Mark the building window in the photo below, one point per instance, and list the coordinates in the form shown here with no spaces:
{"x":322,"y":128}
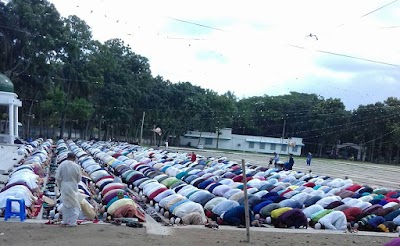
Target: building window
{"x":251,"y":145}
{"x":262,"y":145}
{"x":273,"y":146}
{"x":283,"y":148}
{"x":208,"y":141}
{"x":294,"y":149}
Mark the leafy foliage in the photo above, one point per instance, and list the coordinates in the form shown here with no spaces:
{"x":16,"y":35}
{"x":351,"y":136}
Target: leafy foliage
{"x":70,"y":80}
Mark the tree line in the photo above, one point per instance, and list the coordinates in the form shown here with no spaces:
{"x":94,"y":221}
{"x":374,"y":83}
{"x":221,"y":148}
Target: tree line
{"x":68,"y":80}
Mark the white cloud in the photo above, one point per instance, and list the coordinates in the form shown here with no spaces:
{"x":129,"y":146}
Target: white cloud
{"x":255,"y":56}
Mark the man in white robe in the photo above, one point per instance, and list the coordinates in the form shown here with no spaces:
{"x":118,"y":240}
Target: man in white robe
{"x":335,"y":220}
{"x":68,"y":176}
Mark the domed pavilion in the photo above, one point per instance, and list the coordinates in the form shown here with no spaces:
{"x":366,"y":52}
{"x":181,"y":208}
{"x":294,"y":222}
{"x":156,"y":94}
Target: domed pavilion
{"x":9,"y":127}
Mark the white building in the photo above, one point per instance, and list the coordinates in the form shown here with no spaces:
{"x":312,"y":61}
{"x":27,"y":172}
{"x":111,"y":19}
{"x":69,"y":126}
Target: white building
{"x":9,"y":127}
{"x":227,"y":140}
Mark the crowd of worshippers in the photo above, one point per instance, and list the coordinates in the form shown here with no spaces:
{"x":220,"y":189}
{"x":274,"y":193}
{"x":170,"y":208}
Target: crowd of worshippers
{"x":97,"y":191}
{"x":26,"y":180}
{"x":210,"y":190}
{"x":187,"y":190}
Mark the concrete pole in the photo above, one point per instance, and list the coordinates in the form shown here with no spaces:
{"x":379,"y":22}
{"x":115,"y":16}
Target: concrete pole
{"x":11,"y":122}
{"x":141,"y":129}
{"x":154,"y":135}
{"x":246,"y":202}
{"x":100,"y":129}
{"x":16,"y":121}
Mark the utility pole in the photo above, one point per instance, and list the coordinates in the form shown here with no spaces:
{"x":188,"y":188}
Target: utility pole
{"x":154,"y":135}
{"x":217,"y":134}
{"x":284,"y":127}
{"x":141,"y":129}
{"x":101,"y":117}
{"x":246,"y":202}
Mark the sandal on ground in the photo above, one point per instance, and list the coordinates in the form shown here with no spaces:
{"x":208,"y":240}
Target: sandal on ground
{"x":134,"y":224}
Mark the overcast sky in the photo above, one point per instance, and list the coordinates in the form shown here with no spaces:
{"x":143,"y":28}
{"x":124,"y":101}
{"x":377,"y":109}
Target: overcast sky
{"x":261,"y":47}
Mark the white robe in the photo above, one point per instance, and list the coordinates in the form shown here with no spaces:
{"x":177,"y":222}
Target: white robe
{"x":327,"y":200}
{"x":224,"y":206}
{"x":335,"y":220}
{"x":17,"y":191}
{"x":301,"y":197}
{"x":309,"y":211}
{"x":210,"y":205}
{"x":68,"y":176}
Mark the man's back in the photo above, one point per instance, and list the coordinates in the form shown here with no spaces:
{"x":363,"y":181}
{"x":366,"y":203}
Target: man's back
{"x":69,"y":171}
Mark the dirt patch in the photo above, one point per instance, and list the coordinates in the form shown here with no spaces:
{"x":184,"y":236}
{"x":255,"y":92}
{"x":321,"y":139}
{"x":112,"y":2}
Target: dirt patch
{"x":24,"y":234}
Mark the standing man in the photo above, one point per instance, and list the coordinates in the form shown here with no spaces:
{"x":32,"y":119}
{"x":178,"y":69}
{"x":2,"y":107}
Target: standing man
{"x":309,"y":157}
{"x":68,"y":176}
{"x":166,"y":144}
{"x":193,"y":158}
{"x":275,"y":159}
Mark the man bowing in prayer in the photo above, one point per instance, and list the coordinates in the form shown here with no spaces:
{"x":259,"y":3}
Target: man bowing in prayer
{"x":68,"y":176}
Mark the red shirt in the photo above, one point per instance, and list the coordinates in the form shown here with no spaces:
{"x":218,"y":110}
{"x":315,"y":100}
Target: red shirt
{"x":193,"y":158}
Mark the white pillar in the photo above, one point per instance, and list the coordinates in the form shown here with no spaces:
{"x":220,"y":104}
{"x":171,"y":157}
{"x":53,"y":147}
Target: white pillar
{"x":11,"y":123}
{"x":16,"y":121}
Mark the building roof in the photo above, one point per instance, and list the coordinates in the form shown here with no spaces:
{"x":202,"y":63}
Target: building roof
{"x":207,"y":136}
{"x":5,"y":84}
{"x":270,"y":141}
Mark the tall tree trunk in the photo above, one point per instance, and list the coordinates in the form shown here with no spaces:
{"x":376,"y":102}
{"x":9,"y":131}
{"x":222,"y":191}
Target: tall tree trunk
{"x":398,"y":155}
{"x":63,"y":118}
{"x":70,"y":130}
{"x":30,"y":116}
{"x":47,"y":130}
{"x":88,"y":123}
{"x":389,"y":153}
{"x":86,"y":133}
{"x":105,"y":137}
{"x":380,"y":149}
{"x":40,"y":122}
{"x":64,"y":110}
{"x":372,"y":150}
{"x":137,"y":132}
{"x":126,"y":132}
{"x":320,"y":147}
{"x":91,"y":133}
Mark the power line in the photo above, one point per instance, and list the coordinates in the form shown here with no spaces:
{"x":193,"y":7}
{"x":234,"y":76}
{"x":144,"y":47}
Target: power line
{"x":14,"y":29}
{"x":320,"y":51}
{"x":372,"y":11}
{"x":202,"y":39}
{"x":381,"y":136}
{"x":375,"y":10}
{"x":347,"y":129}
{"x":346,"y":56}
{"x":196,"y":24}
